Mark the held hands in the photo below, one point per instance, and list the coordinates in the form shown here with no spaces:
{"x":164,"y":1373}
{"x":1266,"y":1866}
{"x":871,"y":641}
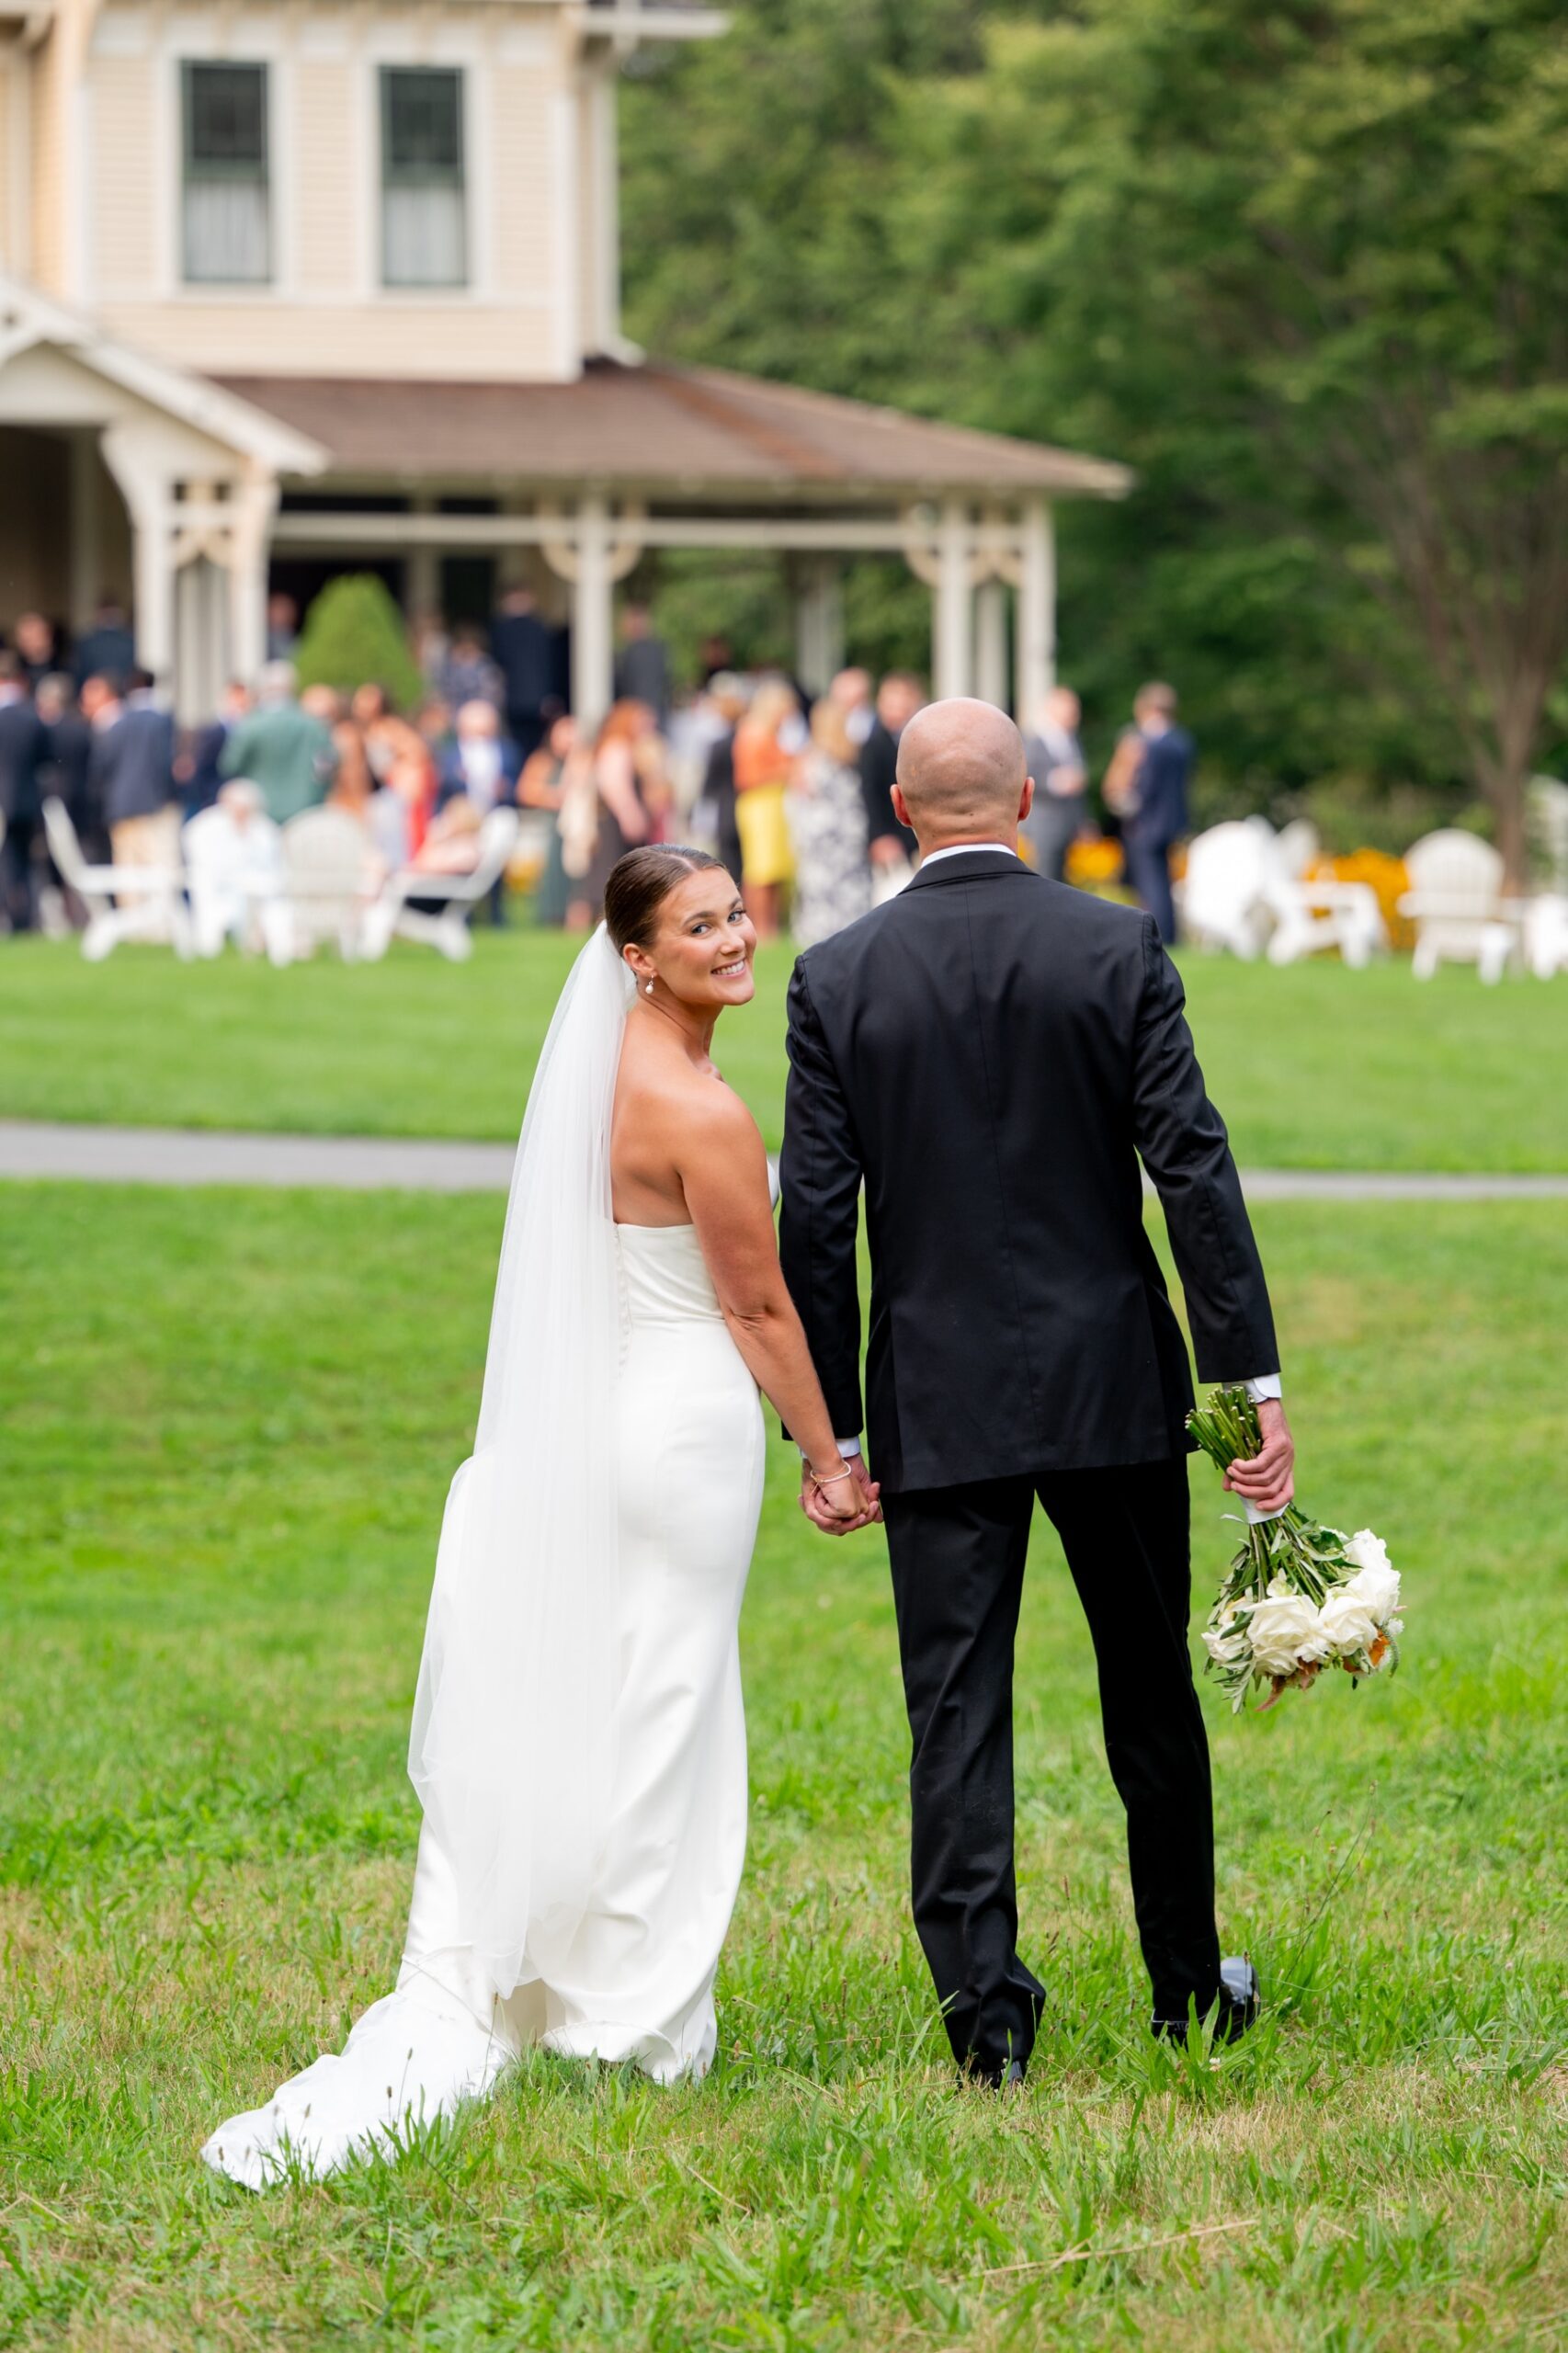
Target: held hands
{"x":1267,"y":1481}
{"x":844,"y":1501}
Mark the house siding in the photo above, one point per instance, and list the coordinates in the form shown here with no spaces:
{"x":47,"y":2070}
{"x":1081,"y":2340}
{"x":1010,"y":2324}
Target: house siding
{"x":123,"y":227}
{"x":48,"y":164}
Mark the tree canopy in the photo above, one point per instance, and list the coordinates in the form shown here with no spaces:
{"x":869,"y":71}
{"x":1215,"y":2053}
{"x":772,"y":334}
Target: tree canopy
{"x":1300,"y":265}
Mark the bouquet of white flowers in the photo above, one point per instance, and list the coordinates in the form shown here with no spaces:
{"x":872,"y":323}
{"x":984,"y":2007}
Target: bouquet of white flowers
{"x":1299,"y":1596}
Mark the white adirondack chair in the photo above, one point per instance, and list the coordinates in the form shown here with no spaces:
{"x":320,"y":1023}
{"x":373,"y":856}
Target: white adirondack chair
{"x":1546,"y":934}
{"x":1221,"y":894}
{"x":1548,"y":804}
{"x":325,"y":892}
{"x":448,"y":931}
{"x":1456,"y":903}
{"x":151,"y":902}
{"x":1309,"y":916}
{"x":230,"y":868}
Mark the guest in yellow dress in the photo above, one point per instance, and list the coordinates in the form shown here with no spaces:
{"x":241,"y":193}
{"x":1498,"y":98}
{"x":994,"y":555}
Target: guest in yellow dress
{"x":765,"y":759}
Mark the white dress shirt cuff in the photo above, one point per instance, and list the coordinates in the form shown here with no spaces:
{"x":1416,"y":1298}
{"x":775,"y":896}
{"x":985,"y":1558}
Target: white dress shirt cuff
{"x":847,"y":1447}
{"x":1266,"y":1384}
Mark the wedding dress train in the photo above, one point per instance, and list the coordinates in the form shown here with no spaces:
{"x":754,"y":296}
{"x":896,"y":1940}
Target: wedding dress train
{"x":631,"y":1976}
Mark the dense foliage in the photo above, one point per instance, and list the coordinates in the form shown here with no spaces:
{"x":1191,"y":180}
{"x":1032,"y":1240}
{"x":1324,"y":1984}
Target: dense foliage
{"x":1300,"y":263}
{"x":354,"y":631}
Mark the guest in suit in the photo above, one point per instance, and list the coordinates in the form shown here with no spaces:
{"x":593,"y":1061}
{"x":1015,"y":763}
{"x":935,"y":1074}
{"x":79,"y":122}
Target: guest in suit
{"x":33,"y":642}
{"x":527,"y":654}
{"x":890,"y":845}
{"x":481,"y":769}
{"x":109,"y":648}
{"x":24,"y":747}
{"x":1060,"y":782}
{"x":199,"y":770}
{"x":282,"y":746}
{"x":986,"y":1059}
{"x":1157,"y":818}
{"x":67,"y":776}
{"x":642,"y":666}
{"x":133,"y":767}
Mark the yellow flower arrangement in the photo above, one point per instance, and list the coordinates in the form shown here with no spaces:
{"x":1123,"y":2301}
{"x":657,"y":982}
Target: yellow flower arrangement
{"x":1093,"y":864}
{"x":1389,"y":878}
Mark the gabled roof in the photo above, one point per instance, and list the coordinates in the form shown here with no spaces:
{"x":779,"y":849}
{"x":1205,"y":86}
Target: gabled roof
{"x":657,"y":428}
{"x":28,"y":318}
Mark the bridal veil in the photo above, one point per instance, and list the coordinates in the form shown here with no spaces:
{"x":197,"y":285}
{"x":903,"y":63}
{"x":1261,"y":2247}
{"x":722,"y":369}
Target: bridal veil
{"x":512,"y":1749}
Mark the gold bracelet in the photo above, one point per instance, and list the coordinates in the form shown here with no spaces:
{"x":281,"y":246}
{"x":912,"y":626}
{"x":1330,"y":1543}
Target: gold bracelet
{"x":836,"y":1480}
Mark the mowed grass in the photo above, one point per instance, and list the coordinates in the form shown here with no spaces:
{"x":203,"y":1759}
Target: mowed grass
{"x":229,"y":1421}
{"x":1314,"y":1067}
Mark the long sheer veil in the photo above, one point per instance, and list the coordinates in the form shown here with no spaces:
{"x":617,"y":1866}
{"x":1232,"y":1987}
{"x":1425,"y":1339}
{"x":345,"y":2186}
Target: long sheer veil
{"x":512,"y":1747}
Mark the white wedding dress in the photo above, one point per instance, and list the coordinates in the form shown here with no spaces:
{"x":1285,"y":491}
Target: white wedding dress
{"x":607,"y":1945}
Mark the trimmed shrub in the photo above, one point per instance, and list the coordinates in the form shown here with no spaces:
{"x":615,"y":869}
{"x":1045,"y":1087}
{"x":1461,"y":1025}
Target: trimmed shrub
{"x":353,"y":633}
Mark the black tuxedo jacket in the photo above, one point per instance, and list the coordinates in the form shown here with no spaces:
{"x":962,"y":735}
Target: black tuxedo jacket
{"x":991,"y":1054}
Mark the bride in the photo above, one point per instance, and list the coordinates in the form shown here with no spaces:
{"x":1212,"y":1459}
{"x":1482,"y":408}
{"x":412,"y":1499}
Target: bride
{"x":578,"y":1743}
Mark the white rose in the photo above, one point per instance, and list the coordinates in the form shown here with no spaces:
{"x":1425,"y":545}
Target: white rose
{"x":1375,"y":1584}
{"x":1286,"y":1633}
{"x":1347,"y":1620}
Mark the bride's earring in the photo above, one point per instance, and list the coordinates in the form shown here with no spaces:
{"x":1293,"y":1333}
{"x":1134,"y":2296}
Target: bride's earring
{"x":648,"y":989}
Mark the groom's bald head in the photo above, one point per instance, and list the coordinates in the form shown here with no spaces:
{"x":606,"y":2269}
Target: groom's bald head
{"x":961,"y":772}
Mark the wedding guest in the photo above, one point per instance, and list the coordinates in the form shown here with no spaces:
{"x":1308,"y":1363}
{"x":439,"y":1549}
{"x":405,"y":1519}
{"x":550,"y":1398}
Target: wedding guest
{"x":280,"y":747}
{"x":67,"y":777}
{"x":322,"y":702}
{"x":728,"y":697}
{"x":613,"y":816}
{"x":282,"y":627}
{"x":527,"y":654}
{"x":481,"y":769}
{"x":198,"y":770}
{"x":132,"y":764}
{"x":467,"y":675}
{"x":480,"y":762}
{"x":1156,"y":817}
{"x":543,"y":784}
{"x":353,"y":784}
{"x":1055,"y":759}
{"x":642,"y":666}
{"x":109,"y":648}
{"x":24,"y":748}
{"x":763,"y":757}
{"x":239,"y":856}
{"x":892,"y":847}
{"x":32,"y":640}
{"x":827,"y":829}
{"x":851,"y":690}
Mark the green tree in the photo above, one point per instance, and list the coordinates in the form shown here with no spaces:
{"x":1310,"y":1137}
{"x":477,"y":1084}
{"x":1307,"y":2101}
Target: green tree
{"x":354,"y":632}
{"x":1300,"y":265}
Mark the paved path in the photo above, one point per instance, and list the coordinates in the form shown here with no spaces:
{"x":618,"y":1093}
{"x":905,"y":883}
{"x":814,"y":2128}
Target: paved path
{"x":374,"y":1163}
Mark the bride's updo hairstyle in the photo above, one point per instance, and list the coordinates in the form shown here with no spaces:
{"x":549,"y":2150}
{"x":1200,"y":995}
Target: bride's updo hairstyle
{"x":640,"y":883}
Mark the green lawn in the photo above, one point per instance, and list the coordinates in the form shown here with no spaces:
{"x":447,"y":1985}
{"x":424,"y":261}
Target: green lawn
{"x":228,"y":1423}
{"x":1314,"y":1067}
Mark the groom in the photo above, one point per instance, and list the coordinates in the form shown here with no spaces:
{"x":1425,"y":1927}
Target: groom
{"x":991,"y":1055}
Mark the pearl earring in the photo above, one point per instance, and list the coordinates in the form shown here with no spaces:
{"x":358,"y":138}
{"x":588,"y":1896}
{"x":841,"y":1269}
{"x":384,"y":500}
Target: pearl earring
{"x":649,"y":990}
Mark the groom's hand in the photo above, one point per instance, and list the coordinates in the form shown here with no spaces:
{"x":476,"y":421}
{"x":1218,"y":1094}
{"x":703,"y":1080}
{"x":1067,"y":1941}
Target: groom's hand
{"x":1267,"y":1480}
{"x":840,"y":1509}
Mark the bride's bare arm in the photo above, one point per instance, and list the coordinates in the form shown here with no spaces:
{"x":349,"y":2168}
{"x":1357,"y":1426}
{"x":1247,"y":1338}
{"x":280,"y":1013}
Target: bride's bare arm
{"x":723,"y":1171}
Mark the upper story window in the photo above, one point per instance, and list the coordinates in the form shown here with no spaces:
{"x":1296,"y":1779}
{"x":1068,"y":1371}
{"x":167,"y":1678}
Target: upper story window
{"x":226,"y":199}
{"x":424,"y":225}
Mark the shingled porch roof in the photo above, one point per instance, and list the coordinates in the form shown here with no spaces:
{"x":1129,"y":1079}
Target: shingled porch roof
{"x":662,"y":429}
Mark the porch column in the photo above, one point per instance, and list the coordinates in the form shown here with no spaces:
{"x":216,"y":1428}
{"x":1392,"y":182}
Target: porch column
{"x":148,"y":492}
{"x":819,"y":622}
{"x":1035,"y":668}
{"x":593,"y":615}
{"x":424,"y":573}
{"x":953,"y":606}
{"x":255,"y":503}
{"x":991,"y":643}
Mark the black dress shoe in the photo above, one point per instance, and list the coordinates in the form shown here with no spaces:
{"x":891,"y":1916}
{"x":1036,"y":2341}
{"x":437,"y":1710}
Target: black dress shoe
{"x":1241,"y":1998}
{"x":1009,"y":2078}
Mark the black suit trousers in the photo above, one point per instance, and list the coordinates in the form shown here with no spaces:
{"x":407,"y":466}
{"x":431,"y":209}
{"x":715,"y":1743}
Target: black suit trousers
{"x":956,"y":1556}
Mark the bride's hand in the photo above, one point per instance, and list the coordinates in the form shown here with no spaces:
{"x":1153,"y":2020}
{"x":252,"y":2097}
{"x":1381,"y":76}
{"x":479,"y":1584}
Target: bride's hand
{"x":842,"y":1501}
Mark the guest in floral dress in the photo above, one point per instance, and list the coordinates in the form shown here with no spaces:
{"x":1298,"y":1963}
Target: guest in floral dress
{"x":827,"y":811}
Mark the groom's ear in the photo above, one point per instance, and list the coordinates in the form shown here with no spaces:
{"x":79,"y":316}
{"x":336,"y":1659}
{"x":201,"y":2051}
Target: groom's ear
{"x":901,"y":808}
{"x":1026,"y":799}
